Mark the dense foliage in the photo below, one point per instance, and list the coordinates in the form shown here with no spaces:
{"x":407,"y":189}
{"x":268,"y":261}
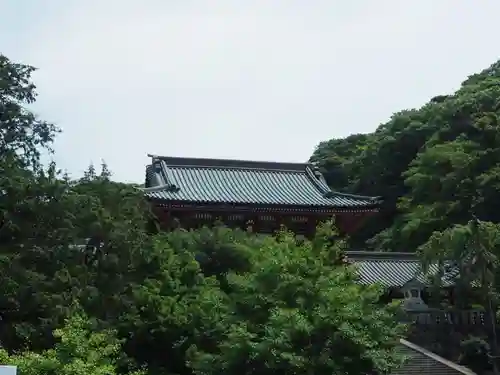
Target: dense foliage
{"x":86,"y":289}
{"x":434,"y":166}
{"x":79,"y":351}
{"x":437,"y":169}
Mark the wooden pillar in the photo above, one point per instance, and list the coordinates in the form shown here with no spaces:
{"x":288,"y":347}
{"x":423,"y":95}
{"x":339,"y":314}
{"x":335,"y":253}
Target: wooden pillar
{"x":162,"y":216}
{"x":311,"y":224}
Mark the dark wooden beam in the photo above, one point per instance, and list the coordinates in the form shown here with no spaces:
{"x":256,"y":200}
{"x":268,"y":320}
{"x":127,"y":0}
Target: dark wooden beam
{"x":262,"y":222}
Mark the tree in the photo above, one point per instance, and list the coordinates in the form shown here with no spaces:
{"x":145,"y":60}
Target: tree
{"x":79,"y":350}
{"x":296,"y":312}
{"x":432,"y":165}
{"x":68,"y":241}
{"x":171,"y":307}
{"x":23,"y":182}
{"x":29,"y":204}
{"x":471,"y":253}
{"x":22,"y":134}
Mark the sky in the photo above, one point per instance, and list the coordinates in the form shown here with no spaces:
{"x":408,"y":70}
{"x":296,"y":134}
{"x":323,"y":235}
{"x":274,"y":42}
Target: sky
{"x":253,"y":80}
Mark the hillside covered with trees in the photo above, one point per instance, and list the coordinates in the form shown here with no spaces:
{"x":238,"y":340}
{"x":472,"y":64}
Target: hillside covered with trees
{"x":89,"y":288}
{"x":435,"y":167}
{"x":86,"y":288}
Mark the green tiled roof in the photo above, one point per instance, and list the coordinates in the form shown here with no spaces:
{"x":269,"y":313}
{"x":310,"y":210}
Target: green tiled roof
{"x":245,"y":182}
{"x":391,"y":269}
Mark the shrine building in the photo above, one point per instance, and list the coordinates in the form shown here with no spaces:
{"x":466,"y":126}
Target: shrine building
{"x":192,"y":192}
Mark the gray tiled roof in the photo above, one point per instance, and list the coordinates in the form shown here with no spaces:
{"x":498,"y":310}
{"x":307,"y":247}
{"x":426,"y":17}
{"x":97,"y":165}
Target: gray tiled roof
{"x":391,"y":269}
{"x":245,"y":182}
{"x":421,"y":361}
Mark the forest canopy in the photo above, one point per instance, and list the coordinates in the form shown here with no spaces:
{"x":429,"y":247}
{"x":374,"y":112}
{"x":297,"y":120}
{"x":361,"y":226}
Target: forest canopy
{"x":435,"y":167}
{"x":88,"y":289}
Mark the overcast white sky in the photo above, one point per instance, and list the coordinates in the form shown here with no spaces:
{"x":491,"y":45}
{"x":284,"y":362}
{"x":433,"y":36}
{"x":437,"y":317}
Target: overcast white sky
{"x":253,"y":79}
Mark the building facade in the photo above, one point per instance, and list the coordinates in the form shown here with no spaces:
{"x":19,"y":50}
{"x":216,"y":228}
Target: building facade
{"x":191,"y":192}
{"x":435,"y":324}
{"x":264,"y":196}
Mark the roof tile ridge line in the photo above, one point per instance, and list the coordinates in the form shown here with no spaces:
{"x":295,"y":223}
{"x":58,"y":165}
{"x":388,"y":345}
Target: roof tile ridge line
{"x":375,"y":199}
{"x":400,"y":253}
{"x":323,"y":186}
{"x":317,"y":180}
{"x":297,"y":167}
{"x":237,"y":168}
{"x":382,"y":255}
{"x":167,"y":176}
{"x":160,"y":168}
{"x":149,"y":171}
{"x":462,"y":369}
{"x":382,"y":259}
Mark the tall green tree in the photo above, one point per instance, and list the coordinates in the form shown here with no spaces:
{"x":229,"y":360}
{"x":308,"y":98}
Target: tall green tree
{"x":470,"y":252}
{"x":79,"y":350}
{"x":28,"y":201}
{"x":60,"y":240}
{"x":22,"y":134}
{"x":432,"y":165}
{"x":296,"y":312}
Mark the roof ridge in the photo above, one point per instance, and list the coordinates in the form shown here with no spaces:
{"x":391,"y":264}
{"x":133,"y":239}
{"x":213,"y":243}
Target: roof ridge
{"x":455,"y":366}
{"x":236,"y":168}
{"x":209,"y":162}
{"x":164,"y":178}
{"x":167,"y":177}
{"x":393,"y":260}
{"x":349,"y":195}
{"x":382,"y":255}
{"x":317,"y":180}
{"x":270,"y":183}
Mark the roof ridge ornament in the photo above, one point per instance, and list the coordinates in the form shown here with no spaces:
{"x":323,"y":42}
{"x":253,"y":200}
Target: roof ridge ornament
{"x":317,"y":179}
{"x":316,"y":171}
{"x":167,"y":188}
{"x":164,"y":175}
